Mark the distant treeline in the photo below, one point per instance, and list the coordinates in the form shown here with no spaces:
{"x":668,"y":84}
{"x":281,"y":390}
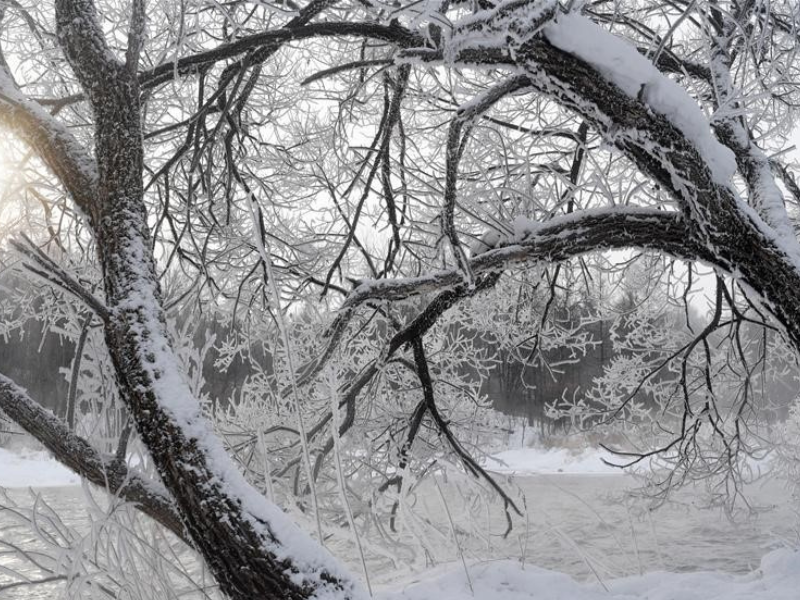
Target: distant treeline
{"x":519,"y":385}
{"x":41,"y":361}
{"x":524,"y":388}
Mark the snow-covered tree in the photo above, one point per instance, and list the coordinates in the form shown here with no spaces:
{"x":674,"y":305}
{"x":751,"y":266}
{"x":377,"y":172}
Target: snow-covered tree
{"x":380,"y":163}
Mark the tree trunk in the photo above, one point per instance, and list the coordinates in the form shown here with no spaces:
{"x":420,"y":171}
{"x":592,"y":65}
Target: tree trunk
{"x":249,"y":545}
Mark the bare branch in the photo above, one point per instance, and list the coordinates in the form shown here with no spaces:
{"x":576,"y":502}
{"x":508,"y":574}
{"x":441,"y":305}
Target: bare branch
{"x":56,"y":275}
{"x":135,"y":35}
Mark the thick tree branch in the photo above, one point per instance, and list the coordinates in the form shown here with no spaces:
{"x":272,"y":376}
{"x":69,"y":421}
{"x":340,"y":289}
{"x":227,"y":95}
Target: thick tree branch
{"x":77,"y":454}
{"x":556,"y":240}
{"x":136,"y":31}
{"x":734,"y":237}
{"x":52,"y":141}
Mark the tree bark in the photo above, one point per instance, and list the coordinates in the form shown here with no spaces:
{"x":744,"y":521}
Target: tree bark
{"x":229,"y":523}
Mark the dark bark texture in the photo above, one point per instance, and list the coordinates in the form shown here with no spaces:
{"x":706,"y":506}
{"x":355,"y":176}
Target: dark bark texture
{"x":238,"y":554}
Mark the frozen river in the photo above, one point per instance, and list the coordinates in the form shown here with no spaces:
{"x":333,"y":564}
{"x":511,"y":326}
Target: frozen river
{"x":583,"y":525}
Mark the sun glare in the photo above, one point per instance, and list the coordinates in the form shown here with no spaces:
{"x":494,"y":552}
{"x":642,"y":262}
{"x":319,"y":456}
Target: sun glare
{"x":12,"y":195}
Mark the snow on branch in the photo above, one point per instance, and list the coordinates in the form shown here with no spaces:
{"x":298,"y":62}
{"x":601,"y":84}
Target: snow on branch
{"x":509,"y":24}
{"x":732,"y":129}
{"x":77,"y":454}
{"x":559,"y":239}
{"x":620,"y":63}
{"x":64,"y":155}
{"x":657,"y":125}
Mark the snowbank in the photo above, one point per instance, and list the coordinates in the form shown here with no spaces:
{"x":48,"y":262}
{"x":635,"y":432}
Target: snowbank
{"x":533,"y":461}
{"x":778,"y":578}
{"x":38,"y":469}
{"x":33,"y":469}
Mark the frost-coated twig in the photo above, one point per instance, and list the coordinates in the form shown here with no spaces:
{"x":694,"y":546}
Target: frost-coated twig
{"x":52,"y":272}
{"x":454,"y":534}
{"x":470,"y":464}
{"x":457,"y":139}
{"x":337,"y":457}
{"x":72,"y":394}
{"x":262,"y":246}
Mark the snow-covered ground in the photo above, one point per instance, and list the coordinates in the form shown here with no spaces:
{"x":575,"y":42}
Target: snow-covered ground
{"x":27,"y":468}
{"x":534,"y":461}
{"x":778,"y":578}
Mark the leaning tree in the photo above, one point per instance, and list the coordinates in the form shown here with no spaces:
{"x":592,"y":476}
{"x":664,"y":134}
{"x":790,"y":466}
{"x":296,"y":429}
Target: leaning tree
{"x":384,"y":162}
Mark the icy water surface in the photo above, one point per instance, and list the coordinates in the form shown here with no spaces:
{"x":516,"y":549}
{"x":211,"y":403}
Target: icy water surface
{"x":578,"y":524}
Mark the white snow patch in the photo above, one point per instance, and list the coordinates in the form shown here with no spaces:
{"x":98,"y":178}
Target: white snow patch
{"x":33,"y":469}
{"x":778,"y":578}
{"x":534,"y":461}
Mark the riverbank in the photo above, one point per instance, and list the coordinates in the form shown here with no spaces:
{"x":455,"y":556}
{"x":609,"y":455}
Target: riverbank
{"x":36,"y":468}
{"x":33,"y":468}
{"x":777,"y":578}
